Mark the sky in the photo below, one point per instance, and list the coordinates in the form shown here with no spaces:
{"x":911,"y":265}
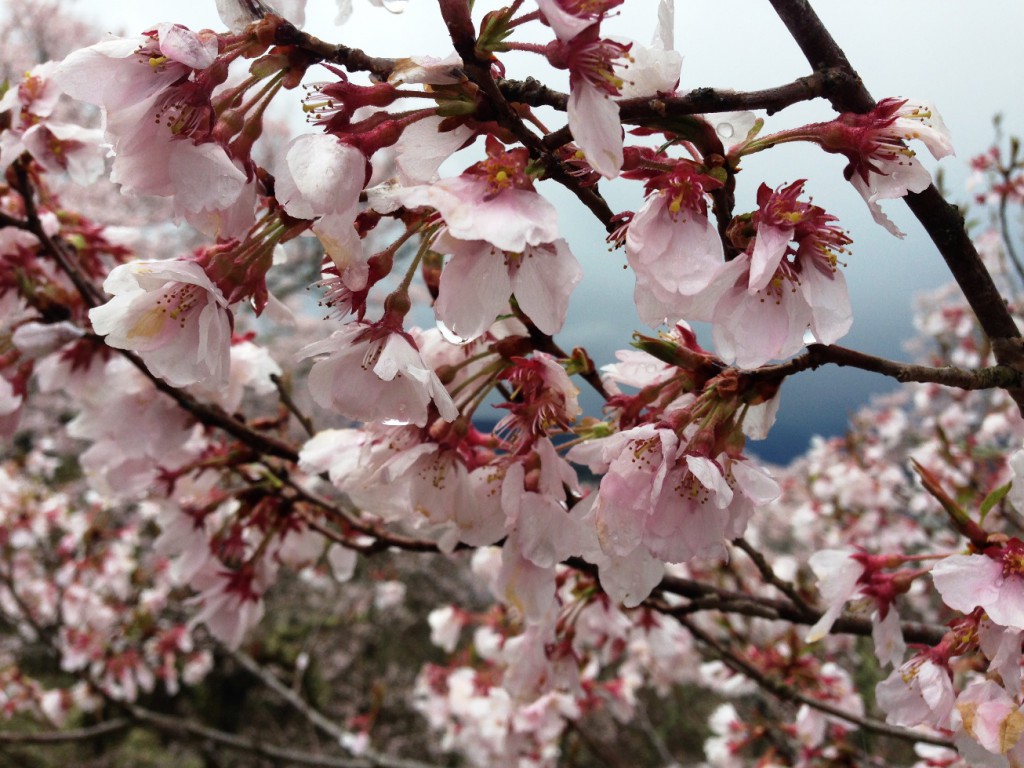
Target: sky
{"x":966,"y":62}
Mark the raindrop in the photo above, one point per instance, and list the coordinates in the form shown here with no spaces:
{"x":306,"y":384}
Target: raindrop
{"x":395,"y":6}
{"x":449,"y":335}
{"x":725,"y":130}
{"x":397,"y":422}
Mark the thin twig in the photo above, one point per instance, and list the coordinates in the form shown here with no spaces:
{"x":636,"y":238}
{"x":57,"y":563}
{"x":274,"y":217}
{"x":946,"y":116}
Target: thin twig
{"x":46,"y":738}
{"x":215,"y":416}
{"x":327,"y":726}
{"x":90,"y":293}
{"x":1004,"y":227}
{"x":289,"y":403}
{"x":182,"y":727}
{"x":769,"y":575}
{"x":784,"y":692}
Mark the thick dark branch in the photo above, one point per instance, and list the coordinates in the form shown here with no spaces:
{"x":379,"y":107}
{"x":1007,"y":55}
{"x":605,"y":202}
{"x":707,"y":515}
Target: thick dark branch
{"x":709,"y":100}
{"x":942,"y":221}
{"x":352,"y":59}
{"x":57,"y":249}
{"x":817,"y":355}
{"x":698,"y":101}
{"x":209,"y":415}
{"x":215,"y":416}
{"x":786,"y":693}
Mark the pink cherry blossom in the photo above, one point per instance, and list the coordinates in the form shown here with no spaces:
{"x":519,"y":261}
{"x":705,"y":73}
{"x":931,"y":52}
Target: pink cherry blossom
{"x":232,"y":602}
{"x":375,"y":375}
{"x":58,"y":147}
{"x":784,"y":291}
{"x":156,"y":92}
{"x":478,"y":280}
{"x":881,"y":166}
{"x":172,"y":314}
{"x":658,"y":495}
{"x":319,"y":177}
{"x":674,"y":250}
{"x":117,"y":73}
{"x":920,"y":691}
{"x":593,"y":80}
{"x":993,"y":580}
{"x":992,"y":719}
{"x":494,"y":201}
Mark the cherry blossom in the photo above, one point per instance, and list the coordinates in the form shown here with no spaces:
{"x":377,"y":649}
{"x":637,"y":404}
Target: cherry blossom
{"x":495,"y":202}
{"x":173,"y":475}
{"x":991,"y":580}
{"x":920,"y":691}
{"x":881,"y":166}
{"x":675,"y":252}
{"x":375,"y":375}
{"x":173,"y":315}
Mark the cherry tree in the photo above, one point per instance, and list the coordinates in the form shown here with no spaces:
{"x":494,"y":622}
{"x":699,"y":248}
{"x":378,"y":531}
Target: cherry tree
{"x":198,"y":450}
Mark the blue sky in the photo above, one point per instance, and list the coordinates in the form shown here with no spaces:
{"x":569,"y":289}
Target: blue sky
{"x":966,"y":62}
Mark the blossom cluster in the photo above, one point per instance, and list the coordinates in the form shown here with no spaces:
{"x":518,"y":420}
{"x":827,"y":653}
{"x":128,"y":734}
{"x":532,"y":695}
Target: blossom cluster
{"x":226,"y":442}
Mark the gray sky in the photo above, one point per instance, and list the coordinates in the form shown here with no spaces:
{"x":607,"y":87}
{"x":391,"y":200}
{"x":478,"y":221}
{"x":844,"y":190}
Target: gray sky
{"x":967,"y":62}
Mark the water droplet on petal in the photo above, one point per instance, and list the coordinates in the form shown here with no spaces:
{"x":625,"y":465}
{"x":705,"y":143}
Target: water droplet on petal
{"x":449,"y":335}
{"x":395,"y":6}
{"x":725,"y":130}
{"x":397,"y":422}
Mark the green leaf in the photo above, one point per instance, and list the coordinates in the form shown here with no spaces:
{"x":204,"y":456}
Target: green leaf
{"x":994,"y":498}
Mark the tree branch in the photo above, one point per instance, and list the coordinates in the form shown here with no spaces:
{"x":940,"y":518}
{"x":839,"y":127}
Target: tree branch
{"x":181,"y":727}
{"x":784,"y":692}
{"x":942,"y":221}
{"x":817,"y":355}
{"x":296,"y":702}
{"x":318,"y":720}
{"x":47,"y":738}
{"x":703,"y":597}
{"x":769,"y":575}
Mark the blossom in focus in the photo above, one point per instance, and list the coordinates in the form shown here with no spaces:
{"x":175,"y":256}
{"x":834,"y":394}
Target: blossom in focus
{"x":478,"y":280}
{"x":993,"y":580}
{"x":881,"y":165}
{"x":920,"y":691}
{"x":601,"y":70}
{"x":320,"y":178}
{"x":847,"y":574}
{"x":992,"y":719}
{"x":593,"y":80}
{"x":156,"y":91}
{"x":493,"y":201}
{"x":660,"y":496}
{"x":789,"y":283}
{"x":375,"y":375}
{"x":172,"y":314}
{"x":674,"y":250}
